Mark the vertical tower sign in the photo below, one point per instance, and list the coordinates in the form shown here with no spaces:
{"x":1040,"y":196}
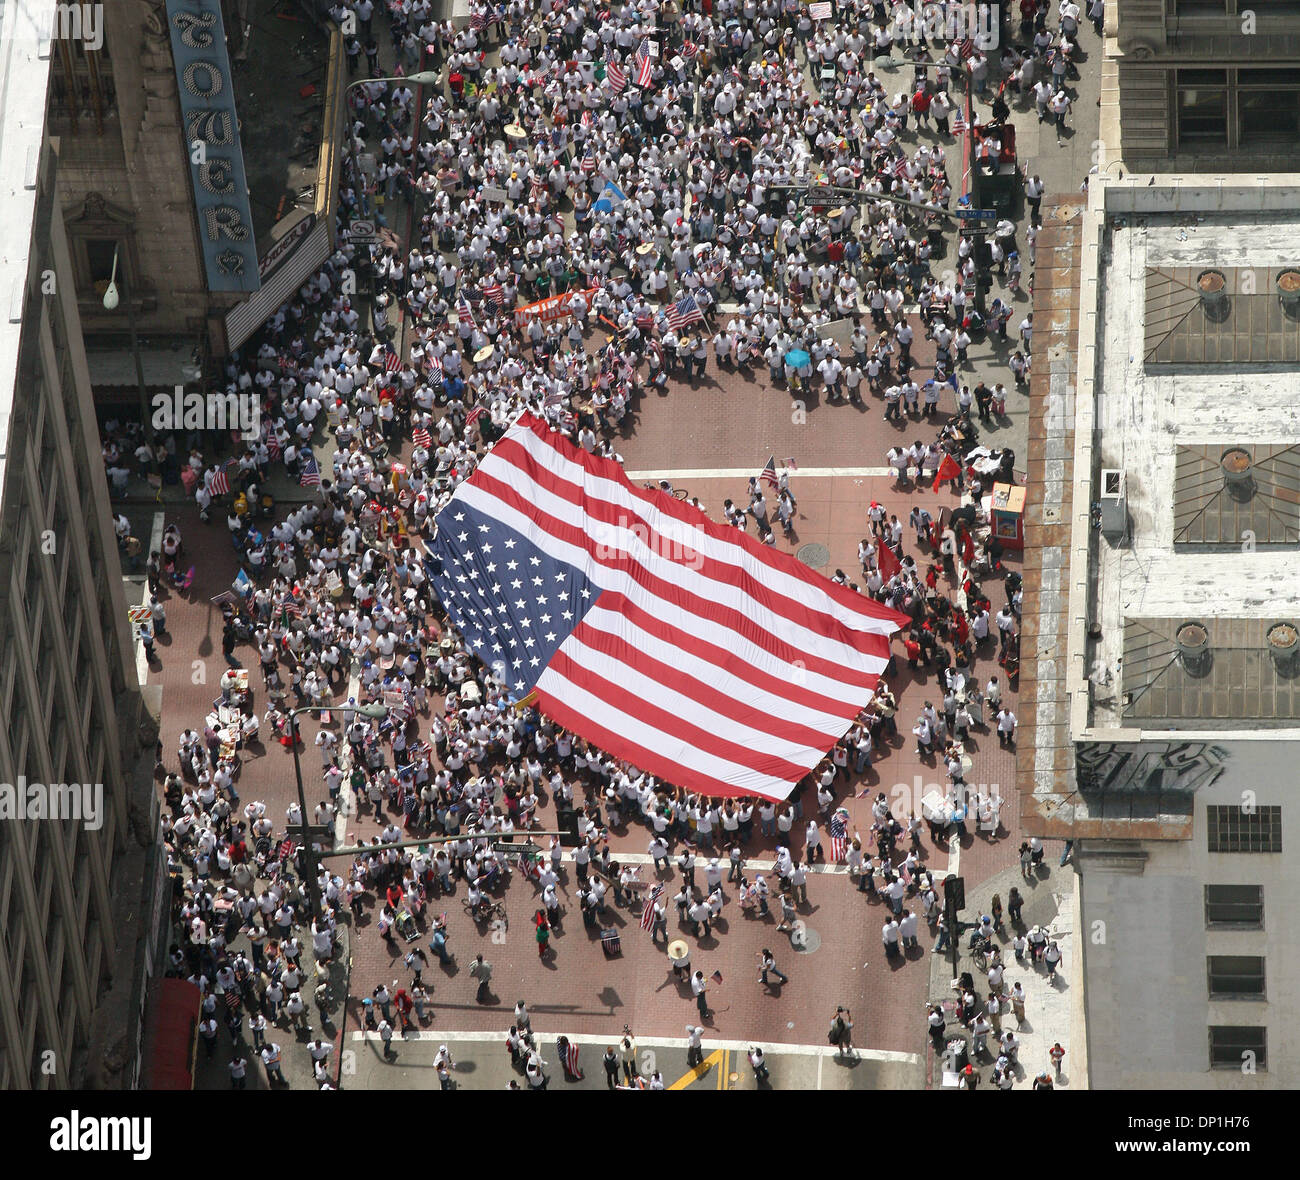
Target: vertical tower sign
{"x":211,"y":129}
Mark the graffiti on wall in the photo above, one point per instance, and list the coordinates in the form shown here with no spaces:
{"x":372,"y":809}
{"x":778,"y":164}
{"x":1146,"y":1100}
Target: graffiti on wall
{"x":1148,"y":768}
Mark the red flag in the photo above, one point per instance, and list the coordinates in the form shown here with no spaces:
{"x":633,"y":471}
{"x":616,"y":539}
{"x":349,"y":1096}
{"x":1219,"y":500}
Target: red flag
{"x":967,"y":549}
{"x":948,"y":469}
{"x":887,"y":562}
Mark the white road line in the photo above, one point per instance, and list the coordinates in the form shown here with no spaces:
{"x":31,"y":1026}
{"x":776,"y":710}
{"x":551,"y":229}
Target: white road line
{"x":155,"y":546}
{"x":764,"y":866}
{"x":444,"y":1036}
{"x":347,"y":798}
{"x":746,"y":472}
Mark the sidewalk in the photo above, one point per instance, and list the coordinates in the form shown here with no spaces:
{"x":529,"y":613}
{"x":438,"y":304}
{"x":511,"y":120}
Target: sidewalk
{"x":1053,"y":1009}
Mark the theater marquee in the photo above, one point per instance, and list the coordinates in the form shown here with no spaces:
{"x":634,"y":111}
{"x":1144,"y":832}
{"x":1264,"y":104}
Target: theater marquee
{"x":207,"y":98}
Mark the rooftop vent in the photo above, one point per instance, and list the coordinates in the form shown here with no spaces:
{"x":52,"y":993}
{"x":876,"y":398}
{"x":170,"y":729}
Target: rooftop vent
{"x":1236,"y":464}
{"x":1288,"y":292}
{"x":1192,"y":641}
{"x":1284,"y":647}
{"x":1212,"y":287}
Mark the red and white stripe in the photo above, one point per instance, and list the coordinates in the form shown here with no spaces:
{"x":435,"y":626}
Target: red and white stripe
{"x":709,"y":660}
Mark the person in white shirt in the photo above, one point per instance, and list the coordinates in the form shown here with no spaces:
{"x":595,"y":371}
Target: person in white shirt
{"x":1007,"y":729}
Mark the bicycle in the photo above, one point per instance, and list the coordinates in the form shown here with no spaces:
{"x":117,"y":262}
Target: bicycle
{"x":486,"y":912}
{"x":665,"y":486}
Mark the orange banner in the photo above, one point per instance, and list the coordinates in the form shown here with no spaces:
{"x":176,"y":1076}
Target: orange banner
{"x":555,"y":307}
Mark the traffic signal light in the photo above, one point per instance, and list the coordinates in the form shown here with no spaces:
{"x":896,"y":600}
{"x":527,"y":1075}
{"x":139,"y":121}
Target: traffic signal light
{"x":567,"y":821}
{"x":954,"y":893}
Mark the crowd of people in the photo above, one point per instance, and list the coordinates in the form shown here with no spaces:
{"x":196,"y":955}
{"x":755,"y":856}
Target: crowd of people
{"x":655,"y":221}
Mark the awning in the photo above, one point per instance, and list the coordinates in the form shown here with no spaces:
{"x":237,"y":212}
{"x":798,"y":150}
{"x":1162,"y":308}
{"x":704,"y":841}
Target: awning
{"x":164,"y":368}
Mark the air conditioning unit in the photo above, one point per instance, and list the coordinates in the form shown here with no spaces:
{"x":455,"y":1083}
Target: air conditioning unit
{"x":1114,"y":504}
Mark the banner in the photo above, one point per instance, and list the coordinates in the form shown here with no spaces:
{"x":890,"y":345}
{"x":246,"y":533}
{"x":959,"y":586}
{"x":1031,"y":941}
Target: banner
{"x":555,"y":307}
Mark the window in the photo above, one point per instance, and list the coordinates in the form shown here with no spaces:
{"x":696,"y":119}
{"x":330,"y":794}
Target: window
{"x":1230,"y":1044}
{"x":1234,"y":907}
{"x":1233,"y":829}
{"x":1202,"y":106}
{"x":1268,"y":106}
{"x":100,"y":253}
{"x":81,"y":83}
{"x":1235,"y":977}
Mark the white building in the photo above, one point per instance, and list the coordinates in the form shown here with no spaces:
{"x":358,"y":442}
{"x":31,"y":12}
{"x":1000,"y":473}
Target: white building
{"x":1163,"y":564}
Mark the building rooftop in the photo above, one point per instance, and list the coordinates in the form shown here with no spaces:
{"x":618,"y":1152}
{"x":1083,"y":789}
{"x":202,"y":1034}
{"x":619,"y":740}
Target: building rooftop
{"x":1210,"y":467}
{"x":1162,"y":555}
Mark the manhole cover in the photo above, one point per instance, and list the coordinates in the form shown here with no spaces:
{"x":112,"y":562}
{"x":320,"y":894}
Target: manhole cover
{"x":1051,"y":515}
{"x":805,"y":940}
{"x":813,"y":555}
{"x":1065,"y":212}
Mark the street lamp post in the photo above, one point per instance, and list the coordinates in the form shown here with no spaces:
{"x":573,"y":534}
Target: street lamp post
{"x":422,"y":78}
{"x":111,"y":300}
{"x":373,"y":711}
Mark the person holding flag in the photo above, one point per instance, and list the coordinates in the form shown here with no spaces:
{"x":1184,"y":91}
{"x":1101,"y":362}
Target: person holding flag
{"x":949,"y":468}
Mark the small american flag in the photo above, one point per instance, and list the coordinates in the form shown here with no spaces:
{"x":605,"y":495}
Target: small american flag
{"x":839,"y":837}
{"x":768,"y":474}
{"x":966,"y":48}
{"x":310,"y":476}
{"x":571,"y":1060}
{"x":958,"y":123}
{"x":464,"y":313}
{"x":422,"y":438}
{"x":435,"y":370}
{"x":537,"y":192}
{"x":474,"y":415}
{"x":615,"y":76}
{"x":392,"y":362}
{"x":689,"y":50}
{"x":589,"y":161}
{"x":644,"y":64}
{"x":273,"y":445}
{"x":900,"y":167}
{"x":648,"y":910}
{"x":684,"y":311}
{"x":478,"y":22}
{"x":495,"y":294}
{"x":286,"y":849}
{"x":716,"y":977}
{"x":221,"y":481}
{"x":791,"y":464}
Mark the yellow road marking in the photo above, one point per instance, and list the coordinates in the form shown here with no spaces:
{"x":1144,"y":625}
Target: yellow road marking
{"x":689,"y":1079}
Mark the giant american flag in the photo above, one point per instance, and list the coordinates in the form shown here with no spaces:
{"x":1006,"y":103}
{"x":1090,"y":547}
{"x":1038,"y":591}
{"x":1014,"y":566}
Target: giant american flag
{"x":678,"y":644}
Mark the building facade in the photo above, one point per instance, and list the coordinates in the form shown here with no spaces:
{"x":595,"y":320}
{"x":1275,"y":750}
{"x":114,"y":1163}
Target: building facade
{"x":72,"y":885}
{"x":138,"y":107}
{"x":1160,"y":687}
{"x":1201,"y":85}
